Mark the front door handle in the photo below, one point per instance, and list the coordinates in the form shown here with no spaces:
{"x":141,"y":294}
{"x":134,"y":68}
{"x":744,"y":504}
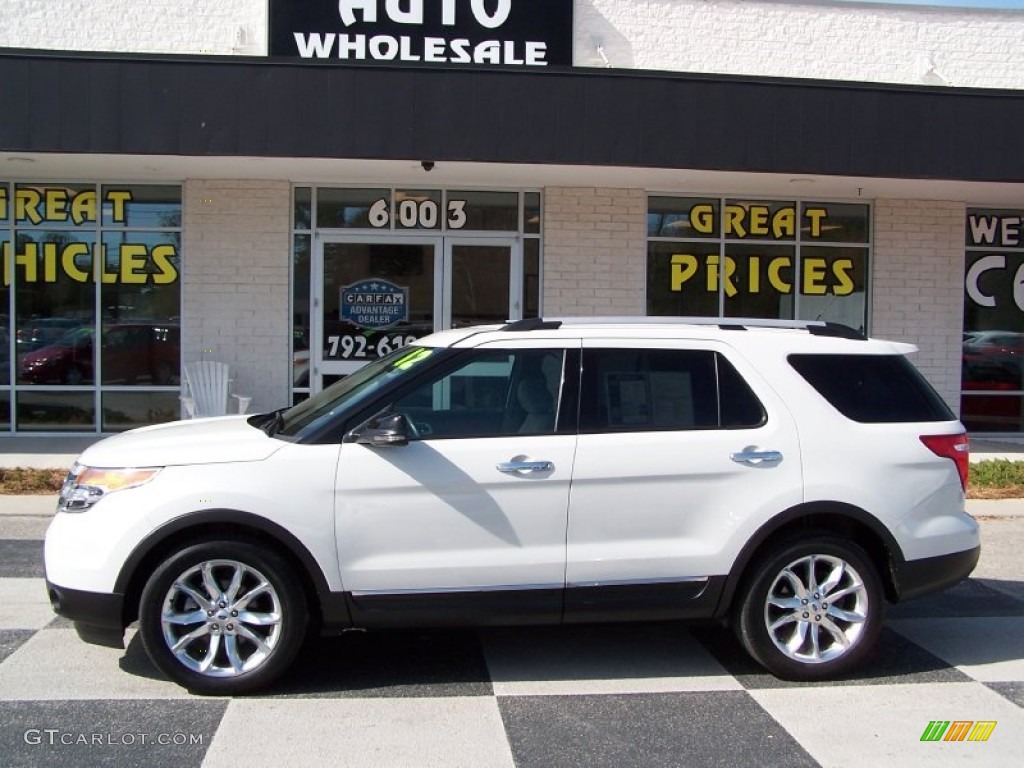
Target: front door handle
{"x":524,"y":466}
{"x":756,"y":458}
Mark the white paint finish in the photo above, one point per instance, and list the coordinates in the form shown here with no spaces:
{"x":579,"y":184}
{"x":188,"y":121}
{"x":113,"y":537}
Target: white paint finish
{"x":55,"y":665}
{"x":438,"y":514}
{"x":989,"y":649}
{"x":602,"y":659}
{"x":156,"y":26}
{"x":386,"y":732}
{"x":24,"y":604}
{"x":854,"y":726}
{"x":814,"y":39}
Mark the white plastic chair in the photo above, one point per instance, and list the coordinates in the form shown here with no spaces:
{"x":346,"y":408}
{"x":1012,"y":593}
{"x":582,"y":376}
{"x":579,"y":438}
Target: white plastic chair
{"x":207,"y":385}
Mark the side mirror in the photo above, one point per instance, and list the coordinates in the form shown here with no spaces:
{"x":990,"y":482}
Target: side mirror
{"x":382,"y":431}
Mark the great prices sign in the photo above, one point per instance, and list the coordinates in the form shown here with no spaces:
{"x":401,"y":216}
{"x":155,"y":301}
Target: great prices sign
{"x":525,"y":33}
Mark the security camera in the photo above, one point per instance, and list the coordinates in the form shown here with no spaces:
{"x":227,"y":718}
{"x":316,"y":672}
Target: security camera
{"x":428,"y":165}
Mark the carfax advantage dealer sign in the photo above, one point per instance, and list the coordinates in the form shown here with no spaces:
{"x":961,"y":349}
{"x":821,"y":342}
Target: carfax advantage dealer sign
{"x":528,"y":33}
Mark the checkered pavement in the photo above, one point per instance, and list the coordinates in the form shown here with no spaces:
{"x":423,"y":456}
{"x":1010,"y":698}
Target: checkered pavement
{"x":612,"y":695}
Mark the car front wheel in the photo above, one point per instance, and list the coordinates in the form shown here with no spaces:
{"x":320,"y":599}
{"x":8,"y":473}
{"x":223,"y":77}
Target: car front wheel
{"x":223,"y":617}
{"x":813,"y":609}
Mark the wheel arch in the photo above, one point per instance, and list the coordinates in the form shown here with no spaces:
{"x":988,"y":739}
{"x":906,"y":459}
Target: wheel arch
{"x":327,"y":608}
{"x":846,"y":520}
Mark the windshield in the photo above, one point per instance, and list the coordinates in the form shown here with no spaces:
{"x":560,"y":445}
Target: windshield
{"x":351,"y":390}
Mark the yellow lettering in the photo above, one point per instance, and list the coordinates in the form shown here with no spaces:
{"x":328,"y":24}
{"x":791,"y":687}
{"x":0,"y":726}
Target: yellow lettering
{"x":712,"y":264}
{"x":49,"y":262}
{"x":26,"y":205}
{"x":730,"y":270}
{"x":815,"y":216}
{"x":755,"y":273}
{"x":56,"y":205}
{"x":3,"y":203}
{"x":758,"y":220}
{"x":814,"y":277}
{"x":684,"y":266}
{"x":734,"y":220}
{"x":842,"y":268}
{"x":28,"y":262}
{"x":99,"y":267}
{"x":83,"y":207}
{"x":775,"y":267}
{"x":167,"y":273}
{"x":67,"y":260}
{"x":133,"y":264}
{"x":702,"y":219}
{"x":118,"y":198}
{"x":784,"y":223}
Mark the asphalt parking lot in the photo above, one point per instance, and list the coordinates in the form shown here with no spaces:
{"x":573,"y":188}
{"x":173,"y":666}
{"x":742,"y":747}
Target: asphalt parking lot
{"x":614,"y":695}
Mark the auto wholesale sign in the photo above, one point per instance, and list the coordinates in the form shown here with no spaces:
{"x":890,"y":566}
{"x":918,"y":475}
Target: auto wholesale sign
{"x":525,"y":33}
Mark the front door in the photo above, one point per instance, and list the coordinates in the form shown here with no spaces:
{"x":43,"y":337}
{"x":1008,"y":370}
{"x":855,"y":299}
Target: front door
{"x":376,"y":293}
{"x":466,"y":522}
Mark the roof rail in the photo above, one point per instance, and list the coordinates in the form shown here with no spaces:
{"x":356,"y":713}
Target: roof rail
{"x":815,"y":327}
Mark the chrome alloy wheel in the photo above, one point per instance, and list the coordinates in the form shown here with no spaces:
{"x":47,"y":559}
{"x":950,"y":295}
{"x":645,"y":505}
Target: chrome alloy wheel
{"x":221,"y":618}
{"x":816,"y":609}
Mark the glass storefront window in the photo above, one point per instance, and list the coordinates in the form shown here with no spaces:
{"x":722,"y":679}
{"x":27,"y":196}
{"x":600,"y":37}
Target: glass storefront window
{"x":342,"y":208}
{"x":758,"y":258}
{"x":992,"y":361}
{"x":95,"y":275}
{"x":483,"y":211}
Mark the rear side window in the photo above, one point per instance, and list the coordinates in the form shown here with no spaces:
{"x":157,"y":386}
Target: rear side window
{"x":635,"y":390}
{"x":873,"y":389}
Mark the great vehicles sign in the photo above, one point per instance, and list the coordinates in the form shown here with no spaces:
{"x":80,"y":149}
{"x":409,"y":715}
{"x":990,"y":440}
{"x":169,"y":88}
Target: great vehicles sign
{"x":530,"y":33}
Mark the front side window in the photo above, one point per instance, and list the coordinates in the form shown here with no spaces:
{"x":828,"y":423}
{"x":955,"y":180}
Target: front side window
{"x":488,"y":394}
{"x":636,"y":390}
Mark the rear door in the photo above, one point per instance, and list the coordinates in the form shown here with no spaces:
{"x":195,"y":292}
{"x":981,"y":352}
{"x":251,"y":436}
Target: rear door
{"x":683,"y":451}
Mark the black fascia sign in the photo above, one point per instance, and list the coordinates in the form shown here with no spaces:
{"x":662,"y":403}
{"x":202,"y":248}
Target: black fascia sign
{"x":469,"y":33}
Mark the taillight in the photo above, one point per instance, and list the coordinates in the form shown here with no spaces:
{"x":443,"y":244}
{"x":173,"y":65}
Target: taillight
{"x":955,"y":447}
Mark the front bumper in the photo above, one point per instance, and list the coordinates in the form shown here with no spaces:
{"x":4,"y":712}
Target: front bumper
{"x":98,"y":618}
{"x":914,"y":578}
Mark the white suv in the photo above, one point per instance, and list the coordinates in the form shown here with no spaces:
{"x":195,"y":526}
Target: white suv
{"x":789,"y":478}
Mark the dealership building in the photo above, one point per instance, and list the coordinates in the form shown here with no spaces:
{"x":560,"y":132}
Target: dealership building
{"x":295,"y":187}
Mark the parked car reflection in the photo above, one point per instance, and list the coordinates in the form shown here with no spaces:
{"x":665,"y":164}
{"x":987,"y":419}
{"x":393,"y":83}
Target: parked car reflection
{"x":132,"y":353}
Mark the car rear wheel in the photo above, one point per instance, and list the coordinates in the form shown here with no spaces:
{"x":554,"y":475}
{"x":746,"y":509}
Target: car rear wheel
{"x":223,"y":617}
{"x":812,"y":610}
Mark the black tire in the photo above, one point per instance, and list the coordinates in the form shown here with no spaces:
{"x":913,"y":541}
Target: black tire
{"x":800,"y":634}
{"x":254,"y":633}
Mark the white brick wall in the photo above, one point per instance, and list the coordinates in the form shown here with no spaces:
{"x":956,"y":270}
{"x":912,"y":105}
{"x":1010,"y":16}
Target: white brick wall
{"x":829,"y":40}
{"x":235,"y":294}
{"x":594,"y":251}
{"x":815,"y":39}
{"x":136,"y":26}
{"x":917,"y":285}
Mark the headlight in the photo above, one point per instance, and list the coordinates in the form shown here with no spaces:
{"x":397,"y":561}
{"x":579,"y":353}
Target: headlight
{"x":84,"y":486}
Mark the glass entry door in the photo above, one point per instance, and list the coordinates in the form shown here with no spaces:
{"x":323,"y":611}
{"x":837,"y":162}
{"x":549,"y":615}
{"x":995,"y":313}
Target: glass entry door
{"x":374,"y":294}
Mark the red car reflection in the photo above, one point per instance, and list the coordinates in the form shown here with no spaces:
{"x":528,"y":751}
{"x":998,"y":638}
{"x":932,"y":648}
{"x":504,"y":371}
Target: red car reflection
{"x":132,"y":353}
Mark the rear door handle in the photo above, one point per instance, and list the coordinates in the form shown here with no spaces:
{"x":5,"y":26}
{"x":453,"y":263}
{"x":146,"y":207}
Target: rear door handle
{"x":517,"y":467}
{"x":755,"y":458}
